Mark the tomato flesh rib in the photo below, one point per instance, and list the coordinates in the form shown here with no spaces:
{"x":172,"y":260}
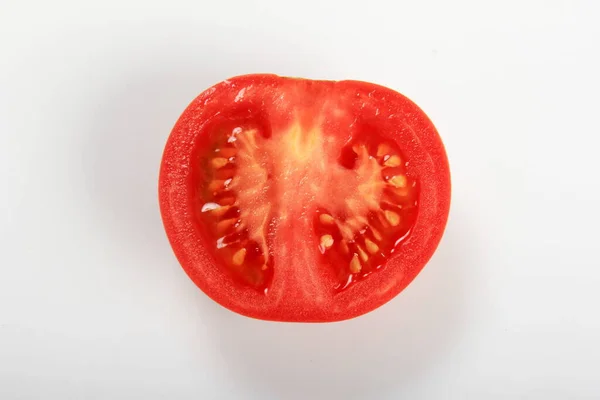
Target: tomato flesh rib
{"x":301,"y":191}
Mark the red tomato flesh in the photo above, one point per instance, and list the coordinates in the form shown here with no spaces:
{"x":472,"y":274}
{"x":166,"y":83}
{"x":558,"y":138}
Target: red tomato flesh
{"x":291,"y":199}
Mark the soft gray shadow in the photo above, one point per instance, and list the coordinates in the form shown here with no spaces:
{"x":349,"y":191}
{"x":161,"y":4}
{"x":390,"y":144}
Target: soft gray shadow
{"x":373,"y":356}
{"x":377,"y":353}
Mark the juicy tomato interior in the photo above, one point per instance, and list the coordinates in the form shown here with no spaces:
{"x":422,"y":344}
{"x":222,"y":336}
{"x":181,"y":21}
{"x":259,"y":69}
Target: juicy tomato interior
{"x":299,"y":189}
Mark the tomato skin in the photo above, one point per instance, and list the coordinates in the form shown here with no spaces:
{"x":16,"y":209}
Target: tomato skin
{"x":288,"y":301}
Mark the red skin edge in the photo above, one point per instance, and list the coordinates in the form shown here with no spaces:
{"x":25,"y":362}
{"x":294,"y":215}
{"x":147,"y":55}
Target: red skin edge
{"x":360,"y":298}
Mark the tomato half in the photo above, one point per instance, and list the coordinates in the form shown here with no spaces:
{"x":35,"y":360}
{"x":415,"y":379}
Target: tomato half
{"x":292,"y":199}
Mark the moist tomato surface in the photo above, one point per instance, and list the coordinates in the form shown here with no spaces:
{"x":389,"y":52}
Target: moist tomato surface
{"x":292,"y":199}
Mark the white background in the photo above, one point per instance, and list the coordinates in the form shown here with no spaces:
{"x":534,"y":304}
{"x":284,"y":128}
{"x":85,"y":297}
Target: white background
{"x":93,"y":304}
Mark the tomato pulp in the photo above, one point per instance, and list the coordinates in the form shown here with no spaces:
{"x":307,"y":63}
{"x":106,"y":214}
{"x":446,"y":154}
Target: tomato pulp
{"x":292,"y":199}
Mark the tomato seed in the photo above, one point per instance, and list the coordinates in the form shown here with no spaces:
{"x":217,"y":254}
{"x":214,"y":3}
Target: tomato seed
{"x":326,"y":241}
{"x":398,"y":181}
{"x":219,"y":162}
{"x":220,"y":211}
{"x":215,"y":186}
{"x":239,"y":256}
{"x":382,"y":150}
{"x":392,"y":217}
{"x":355,"y":266}
{"x":225,"y":225}
{"x":376,"y":234}
{"x":227,"y":201}
{"x":393,"y":161}
{"x":371,"y":246}
{"x":326,"y":219}
{"x":363,"y":256}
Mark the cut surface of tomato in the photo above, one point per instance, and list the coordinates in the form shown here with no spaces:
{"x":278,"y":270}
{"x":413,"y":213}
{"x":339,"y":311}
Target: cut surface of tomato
{"x":300,"y":200}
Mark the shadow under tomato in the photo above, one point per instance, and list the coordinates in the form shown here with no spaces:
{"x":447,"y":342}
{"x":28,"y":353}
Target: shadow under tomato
{"x":368,"y":357}
{"x":373,"y":356}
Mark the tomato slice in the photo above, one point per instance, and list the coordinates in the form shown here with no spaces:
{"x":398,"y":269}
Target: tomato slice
{"x":292,"y":199}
